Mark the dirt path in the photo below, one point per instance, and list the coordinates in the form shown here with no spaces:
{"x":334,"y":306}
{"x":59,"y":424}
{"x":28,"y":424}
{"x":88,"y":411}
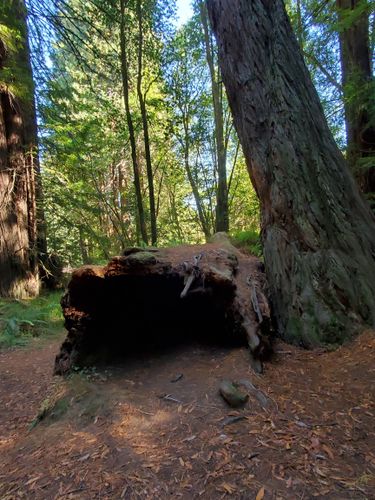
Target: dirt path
{"x":113,"y":434}
{"x":25,"y":377}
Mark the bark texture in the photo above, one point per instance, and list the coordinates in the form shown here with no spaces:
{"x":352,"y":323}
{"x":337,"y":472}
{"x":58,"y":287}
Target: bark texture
{"x":318,"y":233}
{"x":19,"y":176}
{"x":160,"y":297}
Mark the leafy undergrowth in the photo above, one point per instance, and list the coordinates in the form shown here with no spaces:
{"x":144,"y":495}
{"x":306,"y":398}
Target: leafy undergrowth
{"x":248,"y":241}
{"x":156,"y":427}
{"x":24,"y":320}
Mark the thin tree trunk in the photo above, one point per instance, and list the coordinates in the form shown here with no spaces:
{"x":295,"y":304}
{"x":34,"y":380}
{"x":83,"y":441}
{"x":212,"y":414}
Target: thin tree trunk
{"x":125,"y":85}
{"x":142,"y":104}
{"x":174,"y":216}
{"x":300,"y":31}
{"x":222,"y":215}
{"x":318,"y":232}
{"x":38,"y":229}
{"x":356,"y":77}
{"x":83,"y":247}
{"x":37,"y":201}
{"x":193,"y":185}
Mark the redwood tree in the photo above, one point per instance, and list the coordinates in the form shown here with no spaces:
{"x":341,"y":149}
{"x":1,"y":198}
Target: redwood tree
{"x":358,"y":85}
{"x":18,"y":165}
{"x":318,"y":232}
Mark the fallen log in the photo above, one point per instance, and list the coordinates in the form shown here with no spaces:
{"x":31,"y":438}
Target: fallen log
{"x":151,"y":296}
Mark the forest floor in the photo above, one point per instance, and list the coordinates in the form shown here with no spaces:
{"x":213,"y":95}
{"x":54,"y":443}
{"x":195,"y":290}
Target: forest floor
{"x":135,"y":431}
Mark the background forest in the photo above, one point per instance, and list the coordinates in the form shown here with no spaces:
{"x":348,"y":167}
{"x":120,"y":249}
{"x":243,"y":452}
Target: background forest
{"x":136,"y":139}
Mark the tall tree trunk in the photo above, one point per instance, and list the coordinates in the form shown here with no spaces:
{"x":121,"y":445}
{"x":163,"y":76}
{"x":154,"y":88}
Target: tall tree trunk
{"x":31,"y":139}
{"x":83,"y":247}
{"x":146,"y":137}
{"x":133,"y":144}
{"x":222,"y":214}
{"x":300,"y":30}
{"x":318,"y":232}
{"x":39,"y":233}
{"x":19,"y":168}
{"x":358,"y":91}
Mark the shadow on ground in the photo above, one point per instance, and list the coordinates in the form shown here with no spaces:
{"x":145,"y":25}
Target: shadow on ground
{"x":157,"y":428}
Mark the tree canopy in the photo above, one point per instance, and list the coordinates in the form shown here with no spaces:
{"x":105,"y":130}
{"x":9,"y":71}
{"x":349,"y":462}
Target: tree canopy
{"x":151,"y":170}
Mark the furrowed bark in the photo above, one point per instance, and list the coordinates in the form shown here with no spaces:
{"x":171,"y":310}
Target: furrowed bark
{"x":318,"y":232}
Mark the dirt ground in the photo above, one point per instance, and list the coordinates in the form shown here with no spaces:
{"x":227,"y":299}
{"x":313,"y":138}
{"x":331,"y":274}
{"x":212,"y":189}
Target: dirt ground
{"x":156,"y":426}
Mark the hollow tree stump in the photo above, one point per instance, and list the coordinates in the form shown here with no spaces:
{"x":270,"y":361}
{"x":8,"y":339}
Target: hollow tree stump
{"x":149,"y":296}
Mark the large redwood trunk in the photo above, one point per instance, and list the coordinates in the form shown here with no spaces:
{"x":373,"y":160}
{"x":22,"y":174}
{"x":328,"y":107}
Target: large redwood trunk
{"x":18,"y":260}
{"x":318,"y":233}
{"x":18,"y":173}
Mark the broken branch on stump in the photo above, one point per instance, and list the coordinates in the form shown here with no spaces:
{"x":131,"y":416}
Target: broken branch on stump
{"x":193,"y":272}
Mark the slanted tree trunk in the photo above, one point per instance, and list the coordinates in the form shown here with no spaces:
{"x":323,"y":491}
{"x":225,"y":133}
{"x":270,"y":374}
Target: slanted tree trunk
{"x":318,"y":233}
{"x":141,"y":222}
{"x":222,"y":213}
{"x":19,"y":168}
{"x":358,"y":91}
{"x":193,"y":184}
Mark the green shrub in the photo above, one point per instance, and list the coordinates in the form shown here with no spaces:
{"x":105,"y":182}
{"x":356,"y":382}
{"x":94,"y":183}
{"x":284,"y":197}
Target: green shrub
{"x":248,"y":240}
{"x":22,"y":320}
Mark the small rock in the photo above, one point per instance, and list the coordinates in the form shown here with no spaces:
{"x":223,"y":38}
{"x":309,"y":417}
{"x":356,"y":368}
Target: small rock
{"x":232,"y":395}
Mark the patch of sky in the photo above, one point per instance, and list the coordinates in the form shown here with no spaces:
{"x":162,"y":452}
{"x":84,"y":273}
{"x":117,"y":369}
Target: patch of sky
{"x":184,"y":11}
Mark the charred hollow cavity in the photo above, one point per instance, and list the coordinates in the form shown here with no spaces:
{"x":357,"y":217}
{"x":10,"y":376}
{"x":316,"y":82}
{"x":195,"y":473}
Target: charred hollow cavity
{"x":146,"y":313}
